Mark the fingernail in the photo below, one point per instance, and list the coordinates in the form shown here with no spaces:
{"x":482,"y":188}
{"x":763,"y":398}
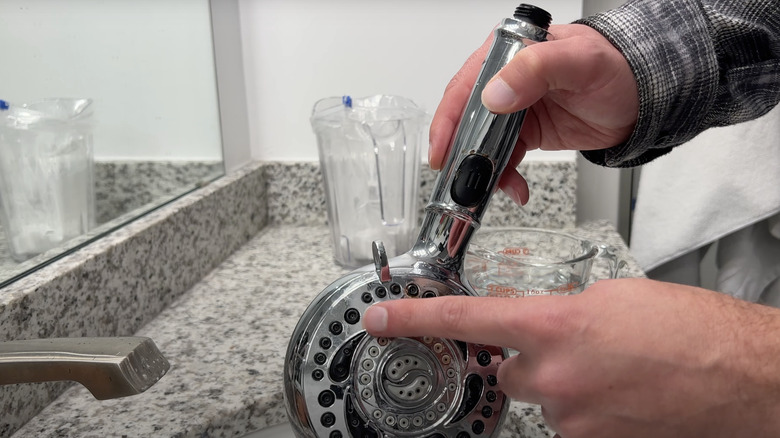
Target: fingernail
{"x":375,"y":319}
{"x":430,"y":149}
{"x":498,"y":95}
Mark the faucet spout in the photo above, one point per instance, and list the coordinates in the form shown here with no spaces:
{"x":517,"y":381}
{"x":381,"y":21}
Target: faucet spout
{"x":109,"y":367}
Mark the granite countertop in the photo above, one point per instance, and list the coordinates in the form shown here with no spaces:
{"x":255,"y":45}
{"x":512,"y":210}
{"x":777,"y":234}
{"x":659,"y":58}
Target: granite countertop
{"x":123,"y":192}
{"x":117,"y":284}
{"x":226,"y":339}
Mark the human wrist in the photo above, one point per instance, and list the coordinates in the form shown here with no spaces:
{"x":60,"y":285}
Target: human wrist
{"x":754,"y":349}
{"x":676,"y":82}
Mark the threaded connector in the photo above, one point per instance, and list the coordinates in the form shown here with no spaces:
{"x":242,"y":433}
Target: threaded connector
{"x":534,"y":15}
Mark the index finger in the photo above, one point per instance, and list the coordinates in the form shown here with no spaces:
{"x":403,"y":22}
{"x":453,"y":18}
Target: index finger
{"x":507,"y":322}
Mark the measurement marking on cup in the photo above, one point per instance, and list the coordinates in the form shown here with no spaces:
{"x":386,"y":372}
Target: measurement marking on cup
{"x":515,"y":251}
{"x":498,"y":290}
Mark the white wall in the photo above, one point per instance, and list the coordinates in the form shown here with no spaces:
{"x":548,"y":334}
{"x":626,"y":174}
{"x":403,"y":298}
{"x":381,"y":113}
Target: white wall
{"x":148,"y":64}
{"x":228,"y":54}
{"x":603,"y":193}
{"x":298,"y":51}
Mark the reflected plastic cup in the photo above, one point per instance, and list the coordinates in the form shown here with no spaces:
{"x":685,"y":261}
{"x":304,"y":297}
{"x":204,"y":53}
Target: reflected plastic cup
{"x":522,"y":262}
{"x":369,"y":150}
{"x":46,"y":174}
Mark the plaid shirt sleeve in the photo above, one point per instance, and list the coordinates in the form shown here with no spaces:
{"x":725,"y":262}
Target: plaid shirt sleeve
{"x":698,"y":64}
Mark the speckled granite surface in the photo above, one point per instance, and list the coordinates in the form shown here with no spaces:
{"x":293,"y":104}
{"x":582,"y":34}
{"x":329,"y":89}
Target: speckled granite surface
{"x":296,"y":196}
{"x":122,"y":186}
{"x":226,"y":340}
{"x":123,"y":191}
{"x":121,"y":282}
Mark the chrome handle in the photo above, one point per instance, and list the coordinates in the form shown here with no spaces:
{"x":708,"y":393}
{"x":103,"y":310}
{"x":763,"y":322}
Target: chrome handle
{"x":480,"y":150}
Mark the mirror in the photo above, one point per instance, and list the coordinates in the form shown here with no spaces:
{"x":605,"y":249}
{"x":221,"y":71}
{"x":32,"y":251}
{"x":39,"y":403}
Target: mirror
{"x":148,"y":66}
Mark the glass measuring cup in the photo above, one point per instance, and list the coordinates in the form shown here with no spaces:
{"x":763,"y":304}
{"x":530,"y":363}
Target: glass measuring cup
{"x":521,"y":262}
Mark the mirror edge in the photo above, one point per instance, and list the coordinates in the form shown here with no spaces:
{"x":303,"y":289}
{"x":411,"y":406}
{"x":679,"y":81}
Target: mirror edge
{"x":226,"y":37}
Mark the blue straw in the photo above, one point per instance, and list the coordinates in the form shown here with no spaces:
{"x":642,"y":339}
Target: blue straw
{"x":347,"y":101}
{"x":4,"y":105}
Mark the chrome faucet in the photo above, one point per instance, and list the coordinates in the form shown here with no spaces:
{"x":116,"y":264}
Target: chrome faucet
{"x":109,"y":367}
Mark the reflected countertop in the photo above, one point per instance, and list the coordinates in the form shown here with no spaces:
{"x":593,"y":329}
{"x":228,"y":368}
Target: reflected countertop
{"x":226,"y":338}
{"x":124,"y":190}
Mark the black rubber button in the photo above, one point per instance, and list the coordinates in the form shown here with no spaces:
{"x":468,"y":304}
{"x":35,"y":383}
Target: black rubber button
{"x":487,"y":412}
{"x":478,"y":427}
{"x":328,"y":419}
{"x":327,"y":398}
{"x":336,"y":328}
{"x":325,"y":343}
{"x":472,"y":179}
{"x":380,"y":292}
{"x":484,"y":358}
{"x":352,"y":316}
{"x":317,"y":375}
{"x":491,"y":396}
{"x":320,"y":358}
{"x":492,"y":380}
{"x":366,"y":297}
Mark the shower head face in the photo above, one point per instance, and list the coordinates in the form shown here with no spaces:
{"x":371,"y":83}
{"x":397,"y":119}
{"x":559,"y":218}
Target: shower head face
{"x":340,"y":381}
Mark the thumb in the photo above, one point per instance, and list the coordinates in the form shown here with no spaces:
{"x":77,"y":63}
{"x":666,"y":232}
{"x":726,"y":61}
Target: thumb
{"x":519,"y":84}
{"x":565,"y":64}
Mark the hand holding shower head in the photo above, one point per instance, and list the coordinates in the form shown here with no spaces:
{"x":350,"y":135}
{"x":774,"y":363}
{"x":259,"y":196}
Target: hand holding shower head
{"x":341,"y":382}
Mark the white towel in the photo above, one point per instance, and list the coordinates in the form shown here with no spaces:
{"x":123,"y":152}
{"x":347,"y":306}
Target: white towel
{"x":749,"y":263}
{"x":723,"y":180}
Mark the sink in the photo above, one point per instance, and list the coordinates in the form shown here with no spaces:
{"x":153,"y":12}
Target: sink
{"x":283,"y":430}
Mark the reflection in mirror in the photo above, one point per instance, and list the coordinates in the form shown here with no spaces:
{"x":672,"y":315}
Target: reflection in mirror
{"x":146,"y":67}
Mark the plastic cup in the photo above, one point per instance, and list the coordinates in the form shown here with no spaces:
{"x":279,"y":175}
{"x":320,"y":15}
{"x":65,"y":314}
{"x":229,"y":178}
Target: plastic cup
{"x":46,"y":174}
{"x":369,"y":150}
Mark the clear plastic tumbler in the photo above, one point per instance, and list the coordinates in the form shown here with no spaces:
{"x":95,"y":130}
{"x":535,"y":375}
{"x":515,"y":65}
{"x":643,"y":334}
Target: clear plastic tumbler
{"x":46,"y":174}
{"x":369,"y":151}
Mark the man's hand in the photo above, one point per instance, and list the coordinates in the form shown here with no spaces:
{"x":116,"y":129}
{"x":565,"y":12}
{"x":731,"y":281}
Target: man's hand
{"x":626,"y":358}
{"x":578,"y":88}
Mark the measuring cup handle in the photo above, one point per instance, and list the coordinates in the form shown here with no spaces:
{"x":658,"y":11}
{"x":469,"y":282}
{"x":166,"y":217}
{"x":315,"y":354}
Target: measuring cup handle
{"x":617,"y":265}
